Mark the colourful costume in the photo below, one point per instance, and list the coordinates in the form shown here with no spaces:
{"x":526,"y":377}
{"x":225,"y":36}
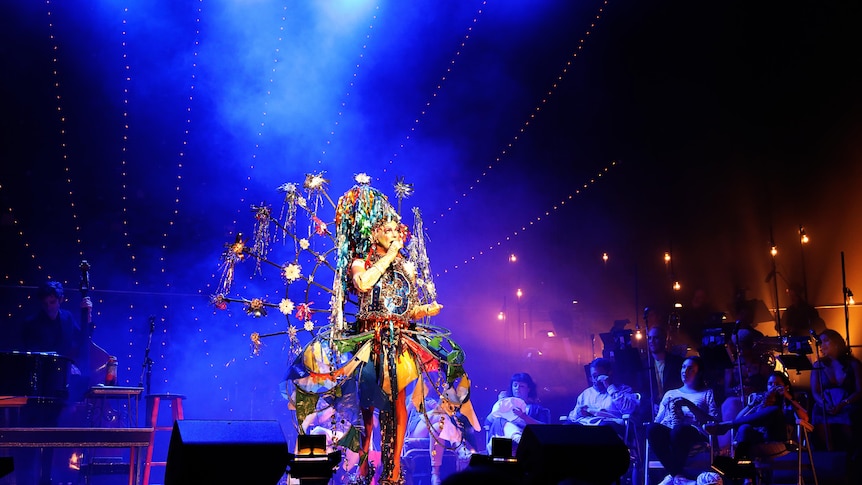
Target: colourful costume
{"x":369,"y":362}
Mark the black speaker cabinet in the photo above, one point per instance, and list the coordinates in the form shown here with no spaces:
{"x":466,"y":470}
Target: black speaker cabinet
{"x":551,"y":453}
{"x":226,"y":452}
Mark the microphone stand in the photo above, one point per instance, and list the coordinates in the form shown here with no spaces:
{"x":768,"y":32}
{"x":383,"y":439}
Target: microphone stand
{"x":846,"y":297}
{"x":148,"y":362}
{"x":651,"y":370}
{"x":820,"y":372}
{"x":738,"y":352}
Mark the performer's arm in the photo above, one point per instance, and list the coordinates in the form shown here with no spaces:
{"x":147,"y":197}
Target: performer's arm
{"x":364,"y":279}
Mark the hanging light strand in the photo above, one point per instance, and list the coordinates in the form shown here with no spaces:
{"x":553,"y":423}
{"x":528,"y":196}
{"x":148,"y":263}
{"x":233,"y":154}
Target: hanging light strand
{"x":531,"y":117}
{"x":535,"y":220}
{"x":343,"y":104}
{"x":438,"y":88}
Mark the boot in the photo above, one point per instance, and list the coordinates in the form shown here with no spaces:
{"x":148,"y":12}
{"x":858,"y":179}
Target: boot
{"x":435,"y":475}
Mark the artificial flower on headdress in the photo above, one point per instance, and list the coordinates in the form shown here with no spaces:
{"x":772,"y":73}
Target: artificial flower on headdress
{"x":303,"y":311}
{"x":291,"y":272}
{"x":315,"y":181}
{"x":260,"y":245}
{"x":218,"y":301}
{"x":255,"y":343}
{"x":256,"y":308}
{"x":403,"y":189}
{"x":238,"y":249}
{"x":303,"y":244}
{"x":362,"y":178}
{"x":285,"y":306}
{"x":309,"y":325}
{"x":319,"y":226}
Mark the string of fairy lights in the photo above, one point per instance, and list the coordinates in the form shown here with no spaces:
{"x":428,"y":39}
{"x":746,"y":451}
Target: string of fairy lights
{"x":535,"y":111}
{"x":64,"y":148}
{"x":535,"y":220}
{"x":438,"y":87}
{"x":64,"y":154}
{"x":350,"y":86}
{"x":124,"y":186}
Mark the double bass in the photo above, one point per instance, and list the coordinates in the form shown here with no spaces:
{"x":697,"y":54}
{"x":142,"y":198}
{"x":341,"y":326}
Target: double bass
{"x":95,"y":361}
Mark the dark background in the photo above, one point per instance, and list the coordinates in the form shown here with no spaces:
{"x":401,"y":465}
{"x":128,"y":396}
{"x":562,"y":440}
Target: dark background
{"x":137,"y":135}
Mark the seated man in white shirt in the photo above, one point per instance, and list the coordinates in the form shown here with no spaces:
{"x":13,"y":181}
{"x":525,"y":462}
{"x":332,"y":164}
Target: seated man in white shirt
{"x":605,"y":402}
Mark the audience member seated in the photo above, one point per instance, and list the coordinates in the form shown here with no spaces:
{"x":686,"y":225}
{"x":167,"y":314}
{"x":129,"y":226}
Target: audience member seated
{"x":664,"y":368}
{"x":515,"y":409}
{"x":681,"y":415}
{"x":445,"y":428}
{"x":836,"y":386}
{"x":605,"y":402}
{"x":764,"y":419}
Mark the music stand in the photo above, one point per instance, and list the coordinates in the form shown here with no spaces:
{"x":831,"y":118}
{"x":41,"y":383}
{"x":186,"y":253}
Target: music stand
{"x":713,"y":350}
{"x":800,"y":348}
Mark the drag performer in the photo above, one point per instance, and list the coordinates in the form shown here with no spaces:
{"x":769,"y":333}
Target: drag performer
{"x":366,"y":365}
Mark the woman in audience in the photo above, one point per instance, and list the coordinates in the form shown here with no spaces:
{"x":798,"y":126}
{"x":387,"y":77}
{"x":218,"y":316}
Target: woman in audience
{"x":515,"y":409}
{"x":678,"y":425}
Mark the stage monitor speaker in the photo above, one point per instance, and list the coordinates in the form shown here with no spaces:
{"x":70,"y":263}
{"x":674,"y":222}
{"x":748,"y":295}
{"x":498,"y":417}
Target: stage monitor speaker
{"x":7,"y":466}
{"x":226,"y":452}
{"x":551,"y":453}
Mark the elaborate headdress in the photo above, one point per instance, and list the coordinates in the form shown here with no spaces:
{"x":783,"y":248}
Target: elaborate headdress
{"x":358,"y":212}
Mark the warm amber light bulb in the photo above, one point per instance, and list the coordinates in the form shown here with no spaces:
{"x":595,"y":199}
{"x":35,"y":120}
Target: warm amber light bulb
{"x":773,"y":251}
{"x":501,"y":316}
{"x":804,"y":238}
{"x":667,"y":257}
{"x":605,"y":257}
{"x":513,"y":258}
{"x":520,"y":293}
{"x":676,"y":286}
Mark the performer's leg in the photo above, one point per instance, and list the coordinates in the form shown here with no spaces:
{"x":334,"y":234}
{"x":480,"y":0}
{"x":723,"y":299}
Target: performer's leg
{"x":400,"y":432}
{"x":365,"y":457}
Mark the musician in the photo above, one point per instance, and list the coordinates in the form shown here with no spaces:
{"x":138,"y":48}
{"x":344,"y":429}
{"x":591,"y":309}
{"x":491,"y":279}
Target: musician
{"x":764,"y":418}
{"x":836,"y":386}
{"x":55,"y":329}
{"x":748,"y":374}
{"x":664,"y":366}
{"x":52,"y":329}
{"x":693,"y":318}
{"x":800,"y":317}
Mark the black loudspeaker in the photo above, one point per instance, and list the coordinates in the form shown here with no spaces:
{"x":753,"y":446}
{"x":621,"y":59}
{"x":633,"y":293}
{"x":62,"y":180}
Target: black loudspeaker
{"x":226,"y":452}
{"x":7,"y":466}
{"x":551,"y":453}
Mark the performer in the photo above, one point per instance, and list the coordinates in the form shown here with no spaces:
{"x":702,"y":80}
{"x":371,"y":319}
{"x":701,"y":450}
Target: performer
{"x":367,"y":364}
{"x":836,"y":386}
{"x":748,"y":375}
{"x":52,"y":329}
{"x":764,"y":418}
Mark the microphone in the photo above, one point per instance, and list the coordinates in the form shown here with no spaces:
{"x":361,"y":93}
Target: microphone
{"x":646,"y":312}
{"x":814,"y":336}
